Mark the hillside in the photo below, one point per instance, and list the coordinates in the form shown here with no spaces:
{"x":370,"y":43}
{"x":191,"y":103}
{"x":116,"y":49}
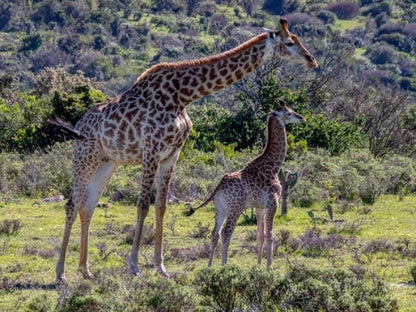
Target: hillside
{"x":114,"y":41}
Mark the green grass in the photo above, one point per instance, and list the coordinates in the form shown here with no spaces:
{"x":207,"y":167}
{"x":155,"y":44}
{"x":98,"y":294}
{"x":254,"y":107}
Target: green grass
{"x":359,"y":51}
{"x":24,"y":266}
{"x":345,"y":25}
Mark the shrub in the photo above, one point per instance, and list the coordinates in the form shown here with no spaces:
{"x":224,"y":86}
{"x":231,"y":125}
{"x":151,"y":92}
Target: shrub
{"x":378,"y":8}
{"x":313,"y":244}
{"x":381,"y":19}
{"x":407,"y":84}
{"x":31,"y":42}
{"x":410,"y":30}
{"x":190,"y":253}
{"x":370,"y":191}
{"x":336,"y":290}
{"x":40,"y":303}
{"x":326,"y":16}
{"x":222,"y":286}
{"x":330,"y":134}
{"x":10,"y":226}
{"x":344,"y":9}
{"x":302,"y":19}
{"x":81,"y":298}
{"x":389,"y":28}
{"x":162,"y":295}
{"x":306,"y":193}
{"x":265,"y":289}
{"x":47,"y":173}
{"x":71,"y":107}
{"x":280,"y":7}
{"x":99,"y":42}
{"x":201,"y":231}
{"x":394,"y":39}
{"x":382,"y":54}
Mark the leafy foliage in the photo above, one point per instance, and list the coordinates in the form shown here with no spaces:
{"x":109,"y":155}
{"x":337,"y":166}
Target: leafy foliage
{"x":334,"y":136}
{"x":303,"y":288}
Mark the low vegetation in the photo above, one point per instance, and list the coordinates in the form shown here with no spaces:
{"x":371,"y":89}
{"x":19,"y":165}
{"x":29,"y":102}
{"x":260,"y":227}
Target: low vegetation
{"x":363,"y":261}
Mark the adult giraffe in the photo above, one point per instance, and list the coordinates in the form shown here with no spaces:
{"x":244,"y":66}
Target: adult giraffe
{"x":147,"y":125}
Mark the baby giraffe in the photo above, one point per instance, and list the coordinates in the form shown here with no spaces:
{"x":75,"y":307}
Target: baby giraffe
{"x":256,"y":185}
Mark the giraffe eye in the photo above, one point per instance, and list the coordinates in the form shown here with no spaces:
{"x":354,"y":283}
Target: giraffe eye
{"x":289,"y":44}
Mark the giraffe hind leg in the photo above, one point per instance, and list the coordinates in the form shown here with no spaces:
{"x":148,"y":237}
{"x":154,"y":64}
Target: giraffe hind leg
{"x":83,"y":169}
{"x":219,"y":220}
{"x":227,"y":232}
{"x":72,"y":207}
{"x":95,"y":190}
{"x":163,"y":180}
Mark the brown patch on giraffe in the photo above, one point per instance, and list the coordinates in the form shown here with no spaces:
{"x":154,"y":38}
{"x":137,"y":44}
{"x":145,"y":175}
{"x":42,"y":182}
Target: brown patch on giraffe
{"x":194,"y":82}
{"x":204,"y":70}
{"x":109,"y":132}
{"x":130,"y":135}
{"x":212,"y":74}
{"x":185,"y":80}
{"x":239,"y":74}
{"x":203,"y":91}
{"x":123,"y":126}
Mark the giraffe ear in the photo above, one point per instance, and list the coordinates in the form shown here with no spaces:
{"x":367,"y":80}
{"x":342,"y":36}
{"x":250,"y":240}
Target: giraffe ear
{"x":284,"y":24}
{"x":282,"y":102}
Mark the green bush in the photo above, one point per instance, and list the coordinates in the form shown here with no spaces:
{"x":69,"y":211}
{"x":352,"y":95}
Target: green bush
{"x":265,"y":289}
{"x":336,"y":290}
{"x":39,"y":174}
{"x":333,"y":135}
{"x":306,"y":193}
{"x":31,"y":42}
{"x":230,"y":288}
{"x":40,"y":303}
{"x":222,"y":286}
{"x":163,"y":295}
{"x":71,"y":107}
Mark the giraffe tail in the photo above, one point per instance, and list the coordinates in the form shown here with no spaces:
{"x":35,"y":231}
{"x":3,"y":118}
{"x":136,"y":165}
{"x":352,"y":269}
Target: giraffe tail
{"x":65,"y":128}
{"x":191,"y":209}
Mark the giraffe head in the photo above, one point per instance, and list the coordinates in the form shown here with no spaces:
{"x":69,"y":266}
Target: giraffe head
{"x":285,"y":115}
{"x":289,"y":45}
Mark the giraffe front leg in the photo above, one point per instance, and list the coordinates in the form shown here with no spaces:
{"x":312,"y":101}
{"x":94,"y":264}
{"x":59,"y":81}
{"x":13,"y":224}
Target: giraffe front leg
{"x":260,"y":233}
{"x":146,"y":181}
{"x":164,"y":176}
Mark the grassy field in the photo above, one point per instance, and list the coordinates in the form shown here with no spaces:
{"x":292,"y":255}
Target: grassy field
{"x":379,"y":239}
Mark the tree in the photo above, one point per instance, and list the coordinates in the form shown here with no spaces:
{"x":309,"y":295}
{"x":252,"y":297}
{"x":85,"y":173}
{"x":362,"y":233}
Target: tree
{"x":31,"y":42}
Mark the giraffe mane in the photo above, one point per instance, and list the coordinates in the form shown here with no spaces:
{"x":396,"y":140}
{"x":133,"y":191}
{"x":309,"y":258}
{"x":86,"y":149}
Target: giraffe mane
{"x":205,"y":60}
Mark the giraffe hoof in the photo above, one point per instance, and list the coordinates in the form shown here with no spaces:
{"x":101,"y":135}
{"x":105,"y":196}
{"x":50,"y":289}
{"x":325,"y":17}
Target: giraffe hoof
{"x":61,"y":280}
{"x":134,"y":270}
{"x":85,"y":272}
{"x":162,"y":270}
{"x":86,"y":275}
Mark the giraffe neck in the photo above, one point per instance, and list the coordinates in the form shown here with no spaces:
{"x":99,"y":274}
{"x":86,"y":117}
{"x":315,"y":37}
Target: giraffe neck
{"x":187,"y":81}
{"x":275,"y":150}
